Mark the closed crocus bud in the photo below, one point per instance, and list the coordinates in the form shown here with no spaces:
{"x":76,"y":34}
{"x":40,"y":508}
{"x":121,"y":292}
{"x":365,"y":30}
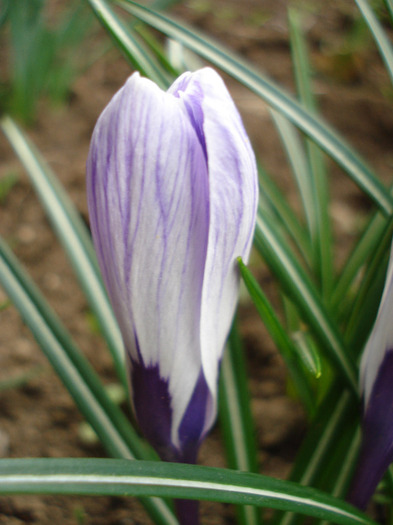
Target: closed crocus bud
{"x":172,"y":195}
{"x":376,"y":380}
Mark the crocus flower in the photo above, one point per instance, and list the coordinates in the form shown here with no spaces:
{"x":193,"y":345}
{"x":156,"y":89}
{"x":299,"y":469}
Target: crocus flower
{"x":376,"y":380}
{"x":172,"y":195}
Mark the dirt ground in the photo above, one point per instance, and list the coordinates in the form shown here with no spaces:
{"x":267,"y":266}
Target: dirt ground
{"x":39,"y":417}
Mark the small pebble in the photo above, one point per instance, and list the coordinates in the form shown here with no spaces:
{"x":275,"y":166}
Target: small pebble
{"x":27,"y":234}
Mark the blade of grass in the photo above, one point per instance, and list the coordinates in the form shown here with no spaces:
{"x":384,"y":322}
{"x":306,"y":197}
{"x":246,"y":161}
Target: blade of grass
{"x":235,"y":66}
{"x":236,"y":419}
{"x":339,"y":407}
{"x":156,"y":47}
{"x":32,"y":51}
{"x":129,"y":43}
{"x":74,"y":237}
{"x":279,"y":335}
{"x":368,"y":295}
{"x":389,"y":5}
{"x":137,"y":478}
{"x":318,"y":187}
{"x":4,"y":11}
{"x":307,"y":350}
{"x":370,"y":240}
{"x":110,"y":424}
{"x":68,"y":40}
{"x":270,"y":194}
{"x":319,"y":443}
{"x":300,"y":289}
{"x":64,"y":356}
{"x":336,"y":474}
{"x":379,"y":35}
{"x":344,"y":465}
{"x":299,"y":164}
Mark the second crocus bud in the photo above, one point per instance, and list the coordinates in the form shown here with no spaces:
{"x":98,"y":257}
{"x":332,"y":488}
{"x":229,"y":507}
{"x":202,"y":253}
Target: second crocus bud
{"x":376,"y":383}
{"x":172,"y":194}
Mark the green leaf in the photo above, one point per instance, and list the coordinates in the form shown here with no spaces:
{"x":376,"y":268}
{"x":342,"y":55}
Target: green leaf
{"x":109,"y":423}
{"x":317,"y":207}
{"x":371,"y":238}
{"x":302,"y":292}
{"x":73,"y":235}
{"x":32,"y":51}
{"x":389,"y":5}
{"x":319,"y":445}
{"x":279,"y":336}
{"x":61,"y":351}
{"x":236,"y":66}
{"x":236,"y":419}
{"x":157,"y":47}
{"x":368,"y":296}
{"x":379,"y":35}
{"x":308,"y":353}
{"x":294,"y":149}
{"x":143,"y":478}
{"x":129,"y":43}
{"x":271,"y":196}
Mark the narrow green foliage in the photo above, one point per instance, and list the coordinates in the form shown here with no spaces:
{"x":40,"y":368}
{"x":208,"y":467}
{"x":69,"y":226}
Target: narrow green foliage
{"x":62,"y":352}
{"x":372,"y":237}
{"x":157,"y":48}
{"x":272,"y":198}
{"x":43,"y":60}
{"x":133,"y":48}
{"x":280,"y":337}
{"x":4,"y":11}
{"x":326,"y":317}
{"x":319,"y":445}
{"x":109,"y":423}
{"x":297,"y":285}
{"x":308,"y":353}
{"x":317,"y":206}
{"x":236,"y":419}
{"x":73,"y":235}
{"x":389,"y":5}
{"x":366,"y":303}
{"x":314,"y":127}
{"x":143,"y":478}
{"x":381,"y":38}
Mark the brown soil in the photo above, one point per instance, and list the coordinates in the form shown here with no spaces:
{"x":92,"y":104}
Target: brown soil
{"x":39,"y":418}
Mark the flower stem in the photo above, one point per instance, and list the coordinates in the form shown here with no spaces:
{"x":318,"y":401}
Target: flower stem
{"x":187,"y":511}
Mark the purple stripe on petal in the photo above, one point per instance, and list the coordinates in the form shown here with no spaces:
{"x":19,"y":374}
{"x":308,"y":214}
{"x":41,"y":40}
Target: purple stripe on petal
{"x":195,"y":113}
{"x":377,"y":446}
{"x":193,"y":103}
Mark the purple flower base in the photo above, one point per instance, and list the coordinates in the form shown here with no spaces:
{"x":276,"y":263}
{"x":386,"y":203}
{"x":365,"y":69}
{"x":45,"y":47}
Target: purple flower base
{"x":153,"y":411}
{"x":152,"y":402}
{"x":376,"y":452}
{"x":187,"y":511}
